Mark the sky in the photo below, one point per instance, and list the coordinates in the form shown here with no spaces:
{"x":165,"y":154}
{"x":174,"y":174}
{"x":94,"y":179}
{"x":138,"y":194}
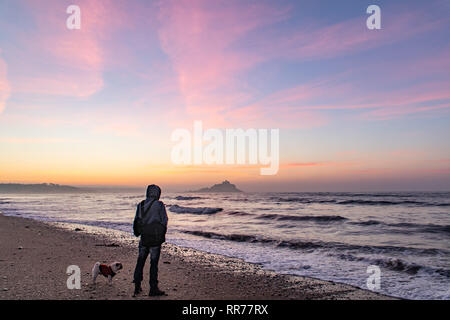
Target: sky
{"x":356,"y":109}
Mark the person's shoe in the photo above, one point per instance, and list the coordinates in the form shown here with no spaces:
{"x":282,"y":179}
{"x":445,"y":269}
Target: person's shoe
{"x":156,"y":292}
{"x":137,"y":289}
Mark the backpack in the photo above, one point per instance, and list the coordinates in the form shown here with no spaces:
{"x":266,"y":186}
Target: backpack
{"x":152,"y":234}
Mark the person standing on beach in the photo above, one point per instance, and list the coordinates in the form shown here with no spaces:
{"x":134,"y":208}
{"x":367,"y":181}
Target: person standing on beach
{"x":150,"y":223}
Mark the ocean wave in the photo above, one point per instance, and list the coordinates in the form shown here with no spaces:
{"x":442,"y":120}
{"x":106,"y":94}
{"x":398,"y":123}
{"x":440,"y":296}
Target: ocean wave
{"x":442,"y":204}
{"x":231,"y":237}
{"x":428,"y":228}
{"x":179,"y":209}
{"x":238,"y":213}
{"x":104,"y":224}
{"x":301,"y":200}
{"x":240,"y":199}
{"x":316,"y":244}
{"x":397,"y":264}
{"x":324,"y":218}
{"x":296,"y":244}
{"x":389,"y":202}
{"x":366,"y":223}
{"x":133,"y":197}
{"x":187,"y":198}
{"x":360,"y":202}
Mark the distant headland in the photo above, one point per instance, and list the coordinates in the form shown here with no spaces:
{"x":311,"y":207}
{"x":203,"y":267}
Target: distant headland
{"x":225,"y":186}
{"x":37,"y":188}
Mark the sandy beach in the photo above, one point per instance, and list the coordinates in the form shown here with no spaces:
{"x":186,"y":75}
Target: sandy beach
{"x":34,"y":257}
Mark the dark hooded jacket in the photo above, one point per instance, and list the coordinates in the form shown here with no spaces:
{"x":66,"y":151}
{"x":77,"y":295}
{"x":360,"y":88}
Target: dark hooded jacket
{"x":157,"y":211}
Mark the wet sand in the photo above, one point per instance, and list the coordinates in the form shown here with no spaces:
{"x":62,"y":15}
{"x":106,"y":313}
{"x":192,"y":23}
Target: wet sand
{"x":34,"y":257}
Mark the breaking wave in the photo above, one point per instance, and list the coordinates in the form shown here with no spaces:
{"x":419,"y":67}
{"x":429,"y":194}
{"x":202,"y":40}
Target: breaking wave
{"x":301,"y":244}
{"x":186,"y":198}
{"x":325,"y":218}
{"x":360,"y":202}
{"x":179,"y":209}
{"x":428,"y":228}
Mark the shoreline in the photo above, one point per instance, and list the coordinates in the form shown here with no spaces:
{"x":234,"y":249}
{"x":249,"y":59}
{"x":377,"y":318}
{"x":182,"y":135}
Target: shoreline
{"x":35,"y":255}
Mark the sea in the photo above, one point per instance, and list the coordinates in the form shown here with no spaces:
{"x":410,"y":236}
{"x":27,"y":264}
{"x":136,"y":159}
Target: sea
{"x":340,"y":237}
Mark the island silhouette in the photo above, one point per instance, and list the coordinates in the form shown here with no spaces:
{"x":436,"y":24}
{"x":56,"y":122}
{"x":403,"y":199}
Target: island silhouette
{"x":225,"y":186}
{"x":37,"y":188}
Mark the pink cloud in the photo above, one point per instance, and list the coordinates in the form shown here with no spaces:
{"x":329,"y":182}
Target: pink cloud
{"x":5,"y":88}
{"x":200,"y":39}
{"x":79,"y":84}
{"x":263,"y":115}
{"x":414,"y":99}
{"x":346,"y":37}
{"x":198,"y":36}
{"x":61,"y":61}
{"x":305,"y":164}
{"x":319,"y":164}
{"x":343,"y":92}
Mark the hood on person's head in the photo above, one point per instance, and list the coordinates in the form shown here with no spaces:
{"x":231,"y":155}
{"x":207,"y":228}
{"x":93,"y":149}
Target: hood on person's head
{"x":153,"y":191}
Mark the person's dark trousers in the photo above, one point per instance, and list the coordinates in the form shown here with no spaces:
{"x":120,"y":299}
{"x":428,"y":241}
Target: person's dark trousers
{"x":154,"y":259}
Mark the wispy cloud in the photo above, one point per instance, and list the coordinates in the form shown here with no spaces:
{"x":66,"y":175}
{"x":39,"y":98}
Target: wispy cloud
{"x":200,"y":38}
{"x":60,"y":61}
{"x":315,"y":42}
{"x":320,"y":164}
{"x":5,"y":88}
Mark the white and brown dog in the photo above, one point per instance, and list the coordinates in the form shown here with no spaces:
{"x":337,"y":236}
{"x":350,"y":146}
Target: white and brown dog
{"x":106,"y":270}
